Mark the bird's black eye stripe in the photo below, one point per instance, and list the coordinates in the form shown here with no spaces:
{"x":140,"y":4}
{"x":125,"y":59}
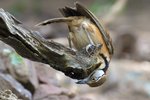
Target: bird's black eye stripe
{"x":106,"y":62}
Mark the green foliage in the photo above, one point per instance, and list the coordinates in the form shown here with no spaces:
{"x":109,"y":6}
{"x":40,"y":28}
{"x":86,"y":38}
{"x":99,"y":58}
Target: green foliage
{"x":37,"y":8}
{"x":19,"y":6}
{"x":101,"y":5}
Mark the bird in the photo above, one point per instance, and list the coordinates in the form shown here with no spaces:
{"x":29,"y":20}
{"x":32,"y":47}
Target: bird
{"x":86,"y":31}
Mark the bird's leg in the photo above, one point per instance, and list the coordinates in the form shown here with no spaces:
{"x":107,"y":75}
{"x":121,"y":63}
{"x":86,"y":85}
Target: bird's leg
{"x":69,"y":39}
{"x":91,"y":48}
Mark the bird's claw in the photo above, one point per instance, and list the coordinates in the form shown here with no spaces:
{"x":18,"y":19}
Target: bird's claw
{"x":91,"y":49}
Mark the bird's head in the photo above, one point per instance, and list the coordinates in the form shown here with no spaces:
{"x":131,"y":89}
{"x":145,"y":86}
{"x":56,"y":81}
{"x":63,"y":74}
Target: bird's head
{"x":95,"y":79}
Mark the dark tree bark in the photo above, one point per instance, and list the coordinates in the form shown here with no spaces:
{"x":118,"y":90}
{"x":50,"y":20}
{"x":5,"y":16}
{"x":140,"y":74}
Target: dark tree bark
{"x":29,"y":44}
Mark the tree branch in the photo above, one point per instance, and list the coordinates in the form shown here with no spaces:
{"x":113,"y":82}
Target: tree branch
{"x":29,"y":44}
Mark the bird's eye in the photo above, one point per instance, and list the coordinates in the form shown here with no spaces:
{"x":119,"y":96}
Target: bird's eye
{"x":93,"y":79}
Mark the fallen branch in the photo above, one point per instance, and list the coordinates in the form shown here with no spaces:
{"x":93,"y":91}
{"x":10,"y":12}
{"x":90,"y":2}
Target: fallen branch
{"x":29,"y":44}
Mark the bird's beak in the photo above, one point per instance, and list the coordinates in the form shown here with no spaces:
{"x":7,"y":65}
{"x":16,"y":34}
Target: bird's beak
{"x":84,"y":81}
